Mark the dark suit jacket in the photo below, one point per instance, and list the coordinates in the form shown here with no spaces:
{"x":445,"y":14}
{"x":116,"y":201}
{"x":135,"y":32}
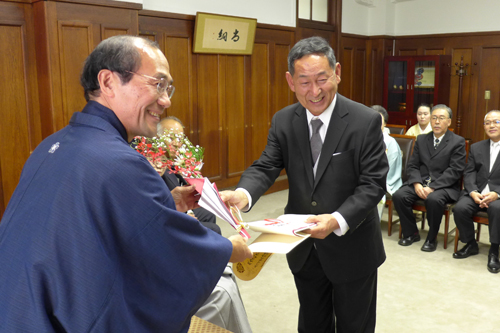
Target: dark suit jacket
{"x":206,"y":218}
{"x":444,"y":165}
{"x":477,"y":172}
{"x":350,"y":179}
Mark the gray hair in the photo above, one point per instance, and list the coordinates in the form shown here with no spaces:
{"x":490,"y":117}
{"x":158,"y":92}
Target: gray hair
{"x":160,"y":127}
{"x":492,"y":111}
{"x":444,"y":107}
{"x":311,"y":45}
{"x":380,"y":109}
{"x":118,"y":54}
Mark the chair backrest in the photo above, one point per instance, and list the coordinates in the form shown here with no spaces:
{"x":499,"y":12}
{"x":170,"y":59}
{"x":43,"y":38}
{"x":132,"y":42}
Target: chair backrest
{"x":406,"y":143}
{"x":396,"y":129}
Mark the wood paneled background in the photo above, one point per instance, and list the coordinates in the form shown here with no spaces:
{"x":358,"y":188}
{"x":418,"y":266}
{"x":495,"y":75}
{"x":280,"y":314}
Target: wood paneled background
{"x":226,"y":102}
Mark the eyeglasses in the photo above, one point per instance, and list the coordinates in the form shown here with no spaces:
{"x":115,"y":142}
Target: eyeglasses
{"x":493,"y":122}
{"x":442,"y":118}
{"x":162,"y":84}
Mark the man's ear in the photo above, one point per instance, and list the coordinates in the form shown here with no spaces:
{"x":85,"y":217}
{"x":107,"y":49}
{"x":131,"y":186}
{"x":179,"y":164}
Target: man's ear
{"x":337,"y":72}
{"x":107,"y":82}
{"x":289,"y":79}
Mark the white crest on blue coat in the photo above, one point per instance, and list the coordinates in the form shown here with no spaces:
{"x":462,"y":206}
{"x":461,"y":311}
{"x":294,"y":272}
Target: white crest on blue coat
{"x":54,"y":147}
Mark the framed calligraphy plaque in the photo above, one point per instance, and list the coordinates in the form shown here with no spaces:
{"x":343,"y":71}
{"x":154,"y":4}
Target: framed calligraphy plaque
{"x":223,"y":34}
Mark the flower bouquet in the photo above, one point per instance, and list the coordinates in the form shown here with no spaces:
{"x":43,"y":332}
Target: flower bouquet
{"x":184,"y":158}
{"x":154,"y":150}
{"x":173,"y":152}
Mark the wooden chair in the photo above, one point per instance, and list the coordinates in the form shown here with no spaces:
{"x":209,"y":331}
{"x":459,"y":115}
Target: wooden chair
{"x":419,"y":205}
{"x":406,"y":143}
{"x":480,"y":217}
{"x":396,"y":129}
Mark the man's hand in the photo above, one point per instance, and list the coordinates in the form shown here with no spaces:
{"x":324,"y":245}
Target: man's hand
{"x":326,"y":223}
{"x":240,"y":249}
{"x":185,"y":198}
{"x":477,"y":197}
{"x":487,"y":198}
{"x":420,"y":190}
{"x":236,"y":198}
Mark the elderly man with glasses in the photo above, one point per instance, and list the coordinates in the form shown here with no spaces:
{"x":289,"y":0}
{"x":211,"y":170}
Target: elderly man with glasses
{"x":434,"y":172}
{"x":91,"y":240}
{"x":482,"y":187}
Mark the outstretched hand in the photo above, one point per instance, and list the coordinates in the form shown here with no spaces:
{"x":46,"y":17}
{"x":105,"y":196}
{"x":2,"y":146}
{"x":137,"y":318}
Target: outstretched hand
{"x":326,"y":224}
{"x":185,"y":198}
{"x":240,"y":249}
{"x":236,"y":198}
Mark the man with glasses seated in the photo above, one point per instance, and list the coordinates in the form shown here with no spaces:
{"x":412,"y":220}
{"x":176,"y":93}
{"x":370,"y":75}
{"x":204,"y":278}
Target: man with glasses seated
{"x":482,"y":186}
{"x":434,"y":172}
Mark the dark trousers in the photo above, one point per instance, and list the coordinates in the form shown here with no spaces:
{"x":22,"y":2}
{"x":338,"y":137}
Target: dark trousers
{"x":327,"y":307}
{"x":463,"y":211}
{"x":434,"y":204}
{"x":207,"y":219}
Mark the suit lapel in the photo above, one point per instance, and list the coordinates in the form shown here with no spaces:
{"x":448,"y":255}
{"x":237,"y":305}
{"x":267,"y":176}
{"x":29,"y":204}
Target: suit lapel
{"x":497,"y":161}
{"x":334,"y":133}
{"x":301,"y":130}
{"x":442,"y":144}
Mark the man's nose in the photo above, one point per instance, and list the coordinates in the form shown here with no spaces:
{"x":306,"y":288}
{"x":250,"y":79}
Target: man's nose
{"x":164,"y":100}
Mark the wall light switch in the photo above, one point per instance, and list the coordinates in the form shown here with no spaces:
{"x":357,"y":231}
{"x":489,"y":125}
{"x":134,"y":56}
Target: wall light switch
{"x":487,"y":94}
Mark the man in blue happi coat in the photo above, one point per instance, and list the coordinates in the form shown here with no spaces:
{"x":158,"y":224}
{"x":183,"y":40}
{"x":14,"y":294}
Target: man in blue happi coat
{"x":91,"y":240}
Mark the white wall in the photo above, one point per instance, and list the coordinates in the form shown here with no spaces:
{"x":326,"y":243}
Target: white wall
{"x":278,"y":12}
{"x":419,"y":17}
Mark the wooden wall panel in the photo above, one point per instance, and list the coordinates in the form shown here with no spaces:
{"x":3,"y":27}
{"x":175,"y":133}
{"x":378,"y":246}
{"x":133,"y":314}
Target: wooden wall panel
{"x":434,"y":52}
{"x":347,"y":70}
{"x":359,"y":76}
{"x":19,"y":128}
{"x":259,"y":120}
{"x":66,"y":34}
{"x":489,"y":75}
{"x":408,"y":52}
{"x":235,"y":115}
{"x":178,"y":53}
{"x":282,"y":95}
{"x":14,"y":127}
{"x":209,"y":120}
{"x":75,"y":44}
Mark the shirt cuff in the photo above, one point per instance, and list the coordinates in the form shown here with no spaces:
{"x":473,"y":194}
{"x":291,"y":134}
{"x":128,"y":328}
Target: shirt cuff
{"x":344,"y":227}
{"x":249,"y":197}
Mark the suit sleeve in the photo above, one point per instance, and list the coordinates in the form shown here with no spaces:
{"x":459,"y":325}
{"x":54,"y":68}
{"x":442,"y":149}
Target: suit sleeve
{"x":413,"y":167}
{"x":263,"y":172}
{"x":373,"y":168}
{"x":454,"y":171}
{"x":470,"y":173}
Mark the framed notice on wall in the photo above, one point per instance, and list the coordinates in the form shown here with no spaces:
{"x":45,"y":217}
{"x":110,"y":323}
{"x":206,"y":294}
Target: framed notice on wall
{"x":223,"y":34}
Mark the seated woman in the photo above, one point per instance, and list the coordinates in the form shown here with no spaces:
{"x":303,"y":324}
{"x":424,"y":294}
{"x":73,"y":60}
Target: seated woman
{"x":424,"y":121}
{"x":395,"y":158}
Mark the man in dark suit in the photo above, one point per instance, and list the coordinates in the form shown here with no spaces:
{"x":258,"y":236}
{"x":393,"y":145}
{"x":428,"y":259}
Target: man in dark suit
{"x":482,"y":186}
{"x":434,"y":172}
{"x":173,"y":180}
{"x":336,"y":173}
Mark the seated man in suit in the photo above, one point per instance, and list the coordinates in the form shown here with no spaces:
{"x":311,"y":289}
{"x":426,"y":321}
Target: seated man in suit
{"x":434,"y":172}
{"x":482,"y":186}
{"x":224,"y":307}
{"x":174,"y":180}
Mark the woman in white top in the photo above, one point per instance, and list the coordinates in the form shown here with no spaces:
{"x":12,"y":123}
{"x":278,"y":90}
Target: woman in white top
{"x":424,"y":121}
